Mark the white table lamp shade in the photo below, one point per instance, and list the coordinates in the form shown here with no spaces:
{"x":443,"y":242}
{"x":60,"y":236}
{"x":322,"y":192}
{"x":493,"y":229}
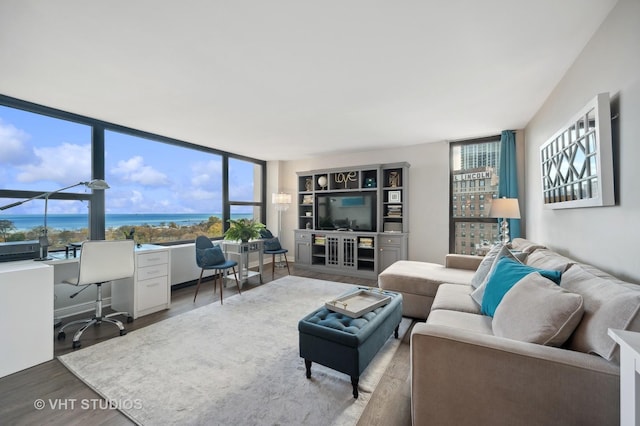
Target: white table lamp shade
{"x":506,"y":208}
{"x":281,"y":198}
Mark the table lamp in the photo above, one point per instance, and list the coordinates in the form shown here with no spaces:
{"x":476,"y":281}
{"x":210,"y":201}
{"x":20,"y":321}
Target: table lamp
{"x":505,"y":208}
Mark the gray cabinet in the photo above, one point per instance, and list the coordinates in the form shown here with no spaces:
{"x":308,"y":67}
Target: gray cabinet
{"x":341,"y":251}
{"x":353,"y":220}
{"x":391,"y":248}
{"x":303,"y":248}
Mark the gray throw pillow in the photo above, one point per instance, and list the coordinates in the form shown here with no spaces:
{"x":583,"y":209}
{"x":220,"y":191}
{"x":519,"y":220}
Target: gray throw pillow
{"x":485,"y":266}
{"x":608,"y":303}
{"x":537,"y":310}
{"x":478,"y":293}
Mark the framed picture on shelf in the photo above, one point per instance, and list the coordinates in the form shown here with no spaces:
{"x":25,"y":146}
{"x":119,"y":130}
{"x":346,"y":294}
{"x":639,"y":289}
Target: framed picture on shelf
{"x":394,"y":197}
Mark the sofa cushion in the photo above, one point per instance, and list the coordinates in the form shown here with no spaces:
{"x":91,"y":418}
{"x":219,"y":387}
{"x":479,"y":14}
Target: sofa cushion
{"x":546,"y":259}
{"x":423,"y":278}
{"x":478,"y":293}
{"x":536,"y":310}
{"x":608,"y":303}
{"x":485,"y":266}
{"x":463,"y":320}
{"x":455,"y":297}
{"x":504,"y":276}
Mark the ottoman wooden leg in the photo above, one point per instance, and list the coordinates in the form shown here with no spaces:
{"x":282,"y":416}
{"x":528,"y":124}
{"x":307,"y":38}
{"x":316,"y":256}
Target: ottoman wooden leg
{"x":354,"y":382}
{"x":395,"y":332}
{"x":307,"y":364}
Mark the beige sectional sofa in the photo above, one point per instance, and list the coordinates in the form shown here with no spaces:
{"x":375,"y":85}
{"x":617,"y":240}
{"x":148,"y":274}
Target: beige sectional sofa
{"x":542,"y":357}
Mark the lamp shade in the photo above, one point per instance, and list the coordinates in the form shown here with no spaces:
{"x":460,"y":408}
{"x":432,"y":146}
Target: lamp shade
{"x":281,"y":198}
{"x":507,"y":208}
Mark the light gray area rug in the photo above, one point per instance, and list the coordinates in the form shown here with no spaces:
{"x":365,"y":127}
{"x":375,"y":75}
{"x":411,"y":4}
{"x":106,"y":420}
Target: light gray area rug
{"x":235,"y":364}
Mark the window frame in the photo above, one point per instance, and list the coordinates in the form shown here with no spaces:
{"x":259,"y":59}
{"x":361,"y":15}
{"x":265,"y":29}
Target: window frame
{"x":96,"y":199}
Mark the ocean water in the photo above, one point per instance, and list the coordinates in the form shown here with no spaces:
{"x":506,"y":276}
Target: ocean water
{"x":71,"y":222}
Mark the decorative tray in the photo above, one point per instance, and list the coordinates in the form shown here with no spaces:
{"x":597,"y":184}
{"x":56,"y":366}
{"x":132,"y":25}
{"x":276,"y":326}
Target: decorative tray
{"x":358,"y":303}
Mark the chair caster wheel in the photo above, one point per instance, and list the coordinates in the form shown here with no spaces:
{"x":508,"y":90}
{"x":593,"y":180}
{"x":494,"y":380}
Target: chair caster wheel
{"x":76,"y":345}
{"x":123,"y":332}
{"x":129,"y":320}
{"x":62,"y":335}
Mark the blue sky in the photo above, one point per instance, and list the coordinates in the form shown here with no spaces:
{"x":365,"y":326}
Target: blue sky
{"x":43,"y":154}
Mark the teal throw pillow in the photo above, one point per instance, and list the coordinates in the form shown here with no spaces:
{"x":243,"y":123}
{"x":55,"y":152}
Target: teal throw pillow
{"x":211,"y":256}
{"x":272,"y":244}
{"x":265,"y":233}
{"x":504,"y":276}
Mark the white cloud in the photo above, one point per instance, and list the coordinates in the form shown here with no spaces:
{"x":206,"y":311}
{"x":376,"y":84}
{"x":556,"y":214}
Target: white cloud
{"x":13,"y":146}
{"x":134,"y":170}
{"x":198,"y":194}
{"x":206,"y":173}
{"x":64,"y":164}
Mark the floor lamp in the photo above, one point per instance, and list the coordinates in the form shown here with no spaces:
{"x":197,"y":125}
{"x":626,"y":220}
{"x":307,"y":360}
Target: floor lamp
{"x":505,"y":208}
{"x":44,"y":240}
{"x":281,"y":201}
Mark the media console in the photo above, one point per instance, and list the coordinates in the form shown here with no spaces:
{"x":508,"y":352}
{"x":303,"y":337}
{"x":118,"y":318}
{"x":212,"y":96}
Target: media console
{"x":352,"y":221}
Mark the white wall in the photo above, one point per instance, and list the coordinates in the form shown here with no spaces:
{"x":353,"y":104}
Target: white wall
{"x":607,"y":237}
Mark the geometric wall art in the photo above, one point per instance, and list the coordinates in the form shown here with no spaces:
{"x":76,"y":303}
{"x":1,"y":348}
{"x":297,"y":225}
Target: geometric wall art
{"x":577,"y":161}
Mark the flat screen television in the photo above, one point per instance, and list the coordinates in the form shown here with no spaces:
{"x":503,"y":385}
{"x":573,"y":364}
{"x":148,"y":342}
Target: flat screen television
{"x":346,"y":211}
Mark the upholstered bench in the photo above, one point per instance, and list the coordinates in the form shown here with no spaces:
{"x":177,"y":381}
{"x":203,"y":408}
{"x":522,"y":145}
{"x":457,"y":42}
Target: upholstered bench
{"x":348,"y":344}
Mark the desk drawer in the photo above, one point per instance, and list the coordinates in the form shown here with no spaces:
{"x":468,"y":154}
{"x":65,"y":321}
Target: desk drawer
{"x":152,"y":293}
{"x":154,"y":271}
{"x":155,"y":258}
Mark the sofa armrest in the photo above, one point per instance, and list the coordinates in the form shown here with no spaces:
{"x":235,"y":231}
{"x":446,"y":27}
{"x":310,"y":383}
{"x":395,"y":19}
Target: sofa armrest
{"x":465,"y":378}
{"x":462,"y":261}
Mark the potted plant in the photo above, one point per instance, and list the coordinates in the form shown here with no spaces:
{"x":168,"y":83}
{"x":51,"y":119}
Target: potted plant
{"x":243,"y":230}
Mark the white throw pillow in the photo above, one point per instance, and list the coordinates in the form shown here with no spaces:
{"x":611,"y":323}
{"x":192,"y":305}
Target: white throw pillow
{"x":537,"y":310}
{"x":485,"y":266}
{"x":502,"y":251}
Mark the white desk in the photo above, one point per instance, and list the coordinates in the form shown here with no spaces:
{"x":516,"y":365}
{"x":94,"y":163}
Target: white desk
{"x":26,"y":315}
{"x":629,"y":342}
{"x":27,"y":301}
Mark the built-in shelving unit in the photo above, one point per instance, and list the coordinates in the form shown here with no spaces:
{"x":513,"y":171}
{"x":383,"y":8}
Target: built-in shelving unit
{"x":353,"y":220}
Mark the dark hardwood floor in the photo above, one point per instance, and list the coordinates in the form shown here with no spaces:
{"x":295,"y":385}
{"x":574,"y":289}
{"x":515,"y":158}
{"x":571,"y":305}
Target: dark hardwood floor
{"x":61,"y":393}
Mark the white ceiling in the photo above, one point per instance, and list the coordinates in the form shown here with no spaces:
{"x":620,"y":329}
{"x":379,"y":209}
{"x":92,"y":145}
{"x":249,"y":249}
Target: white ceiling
{"x":281,"y":80}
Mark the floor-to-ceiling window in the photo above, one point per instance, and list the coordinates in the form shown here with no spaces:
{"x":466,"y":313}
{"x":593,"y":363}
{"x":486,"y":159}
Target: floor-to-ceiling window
{"x":474,"y":185}
{"x":162,"y":190}
{"x":39,"y":155}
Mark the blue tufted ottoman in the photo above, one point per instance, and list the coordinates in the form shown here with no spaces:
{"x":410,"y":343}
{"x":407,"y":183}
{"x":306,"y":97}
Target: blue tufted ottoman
{"x":348,"y":344}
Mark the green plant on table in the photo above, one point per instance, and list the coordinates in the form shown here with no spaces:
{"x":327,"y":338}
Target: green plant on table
{"x":243,"y":230}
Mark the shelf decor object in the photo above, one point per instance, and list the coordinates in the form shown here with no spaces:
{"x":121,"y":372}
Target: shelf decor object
{"x":505,"y":208}
{"x":577,"y":161}
{"x":322,"y":181}
{"x":394,"y":197}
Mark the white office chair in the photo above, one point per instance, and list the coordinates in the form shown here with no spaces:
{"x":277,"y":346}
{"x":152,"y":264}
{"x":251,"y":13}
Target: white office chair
{"x":101,"y":262}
